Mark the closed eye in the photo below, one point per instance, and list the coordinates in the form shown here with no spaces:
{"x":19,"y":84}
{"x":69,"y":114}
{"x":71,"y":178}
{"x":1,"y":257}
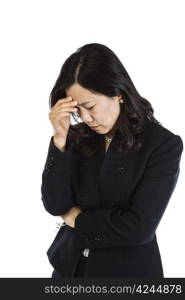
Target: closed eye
{"x":88,"y":107}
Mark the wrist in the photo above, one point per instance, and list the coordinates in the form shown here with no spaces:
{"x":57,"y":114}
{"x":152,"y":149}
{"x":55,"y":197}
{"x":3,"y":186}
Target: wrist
{"x":59,"y":142}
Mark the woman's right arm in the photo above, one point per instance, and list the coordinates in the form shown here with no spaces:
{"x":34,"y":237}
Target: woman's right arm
{"x":56,"y":191}
{"x":56,"y":188}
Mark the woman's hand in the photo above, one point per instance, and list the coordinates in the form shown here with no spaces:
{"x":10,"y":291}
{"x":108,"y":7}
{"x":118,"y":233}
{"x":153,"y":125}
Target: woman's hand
{"x":69,"y":217}
{"x":60,"y":116}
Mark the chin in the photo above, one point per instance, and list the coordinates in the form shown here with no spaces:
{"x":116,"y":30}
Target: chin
{"x":103,"y":131}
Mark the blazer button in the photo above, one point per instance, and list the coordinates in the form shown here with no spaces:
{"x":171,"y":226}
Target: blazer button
{"x":97,"y":239}
{"x":121,"y":168}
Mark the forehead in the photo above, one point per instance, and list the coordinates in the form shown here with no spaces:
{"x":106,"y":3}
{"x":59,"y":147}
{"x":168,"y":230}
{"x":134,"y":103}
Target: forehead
{"x":81,"y":95}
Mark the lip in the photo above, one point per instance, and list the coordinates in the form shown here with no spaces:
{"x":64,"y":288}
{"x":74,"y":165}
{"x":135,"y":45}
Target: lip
{"x":95,"y":127}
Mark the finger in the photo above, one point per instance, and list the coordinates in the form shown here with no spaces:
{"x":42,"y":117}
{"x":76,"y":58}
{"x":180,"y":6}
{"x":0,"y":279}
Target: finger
{"x":68,"y":104}
{"x":61,"y":109}
{"x":59,"y":115}
{"x":66,"y":114}
{"x":64,"y":100}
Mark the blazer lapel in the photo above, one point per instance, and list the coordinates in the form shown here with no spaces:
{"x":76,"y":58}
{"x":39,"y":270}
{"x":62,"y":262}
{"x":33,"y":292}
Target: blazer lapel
{"x":102,"y":176}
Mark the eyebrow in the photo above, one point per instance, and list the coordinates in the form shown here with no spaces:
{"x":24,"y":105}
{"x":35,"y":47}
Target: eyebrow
{"x":82,"y":104}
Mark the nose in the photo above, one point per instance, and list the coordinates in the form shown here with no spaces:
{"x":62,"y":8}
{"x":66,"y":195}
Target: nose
{"x":85,"y":117}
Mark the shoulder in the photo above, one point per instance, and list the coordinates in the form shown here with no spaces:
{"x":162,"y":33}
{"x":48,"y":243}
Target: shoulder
{"x":156,"y":135}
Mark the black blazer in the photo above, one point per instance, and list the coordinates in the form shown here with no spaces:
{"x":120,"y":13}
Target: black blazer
{"x":123,"y":198}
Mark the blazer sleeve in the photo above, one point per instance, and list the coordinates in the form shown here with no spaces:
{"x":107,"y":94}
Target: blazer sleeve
{"x":56,"y":192}
{"x":137,"y":224}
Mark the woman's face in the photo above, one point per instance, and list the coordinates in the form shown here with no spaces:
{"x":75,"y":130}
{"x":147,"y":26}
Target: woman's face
{"x":95,"y":109}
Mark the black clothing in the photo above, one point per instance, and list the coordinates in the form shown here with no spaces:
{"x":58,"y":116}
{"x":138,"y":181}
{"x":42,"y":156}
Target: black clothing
{"x":123,"y":198}
{"x":79,"y":272}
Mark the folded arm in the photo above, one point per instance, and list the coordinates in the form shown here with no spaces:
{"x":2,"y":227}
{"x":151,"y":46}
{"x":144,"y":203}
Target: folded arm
{"x":100,"y":228}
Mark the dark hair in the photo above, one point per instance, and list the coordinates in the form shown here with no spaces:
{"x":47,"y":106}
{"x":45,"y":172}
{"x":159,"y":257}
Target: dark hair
{"x":95,"y":67}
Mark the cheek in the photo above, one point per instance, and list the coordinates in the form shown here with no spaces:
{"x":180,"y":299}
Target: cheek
{"x":111,"y":114}
{"x":103,"y":116}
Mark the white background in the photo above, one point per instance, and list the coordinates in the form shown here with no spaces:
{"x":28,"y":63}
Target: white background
{"x":36,"y":38}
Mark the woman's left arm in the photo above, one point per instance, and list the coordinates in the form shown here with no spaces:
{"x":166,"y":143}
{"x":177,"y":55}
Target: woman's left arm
{"x":101,"y":228}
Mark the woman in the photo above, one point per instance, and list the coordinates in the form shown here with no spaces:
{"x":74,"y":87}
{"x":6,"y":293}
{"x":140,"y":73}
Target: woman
{"x":111,"y":175}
